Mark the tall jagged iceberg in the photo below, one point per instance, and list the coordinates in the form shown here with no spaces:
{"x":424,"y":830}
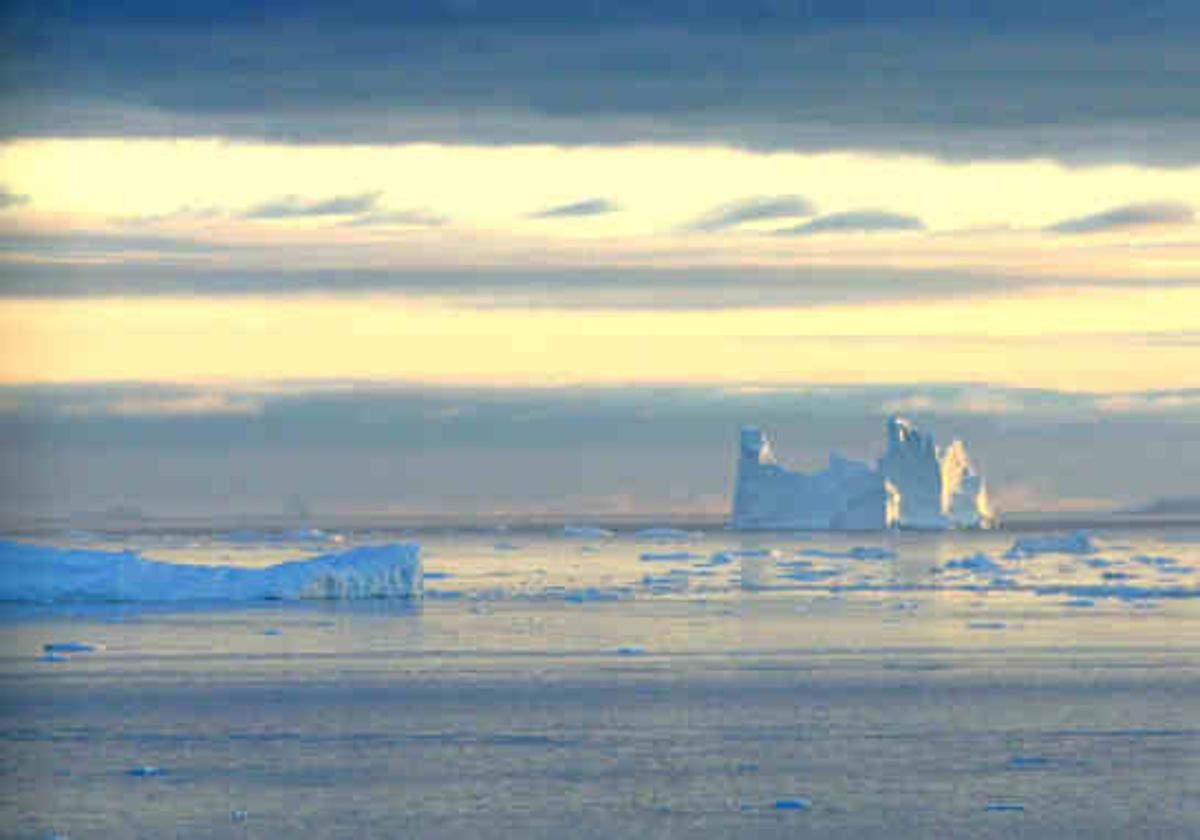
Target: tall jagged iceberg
{"x":914,"y":485}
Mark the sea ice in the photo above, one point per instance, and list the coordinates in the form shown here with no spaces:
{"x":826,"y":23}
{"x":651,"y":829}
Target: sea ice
{"x":46,"y":574}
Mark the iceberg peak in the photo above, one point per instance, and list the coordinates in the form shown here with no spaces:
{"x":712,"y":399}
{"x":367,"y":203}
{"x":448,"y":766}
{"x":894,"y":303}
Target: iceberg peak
{"x":913,"y":485}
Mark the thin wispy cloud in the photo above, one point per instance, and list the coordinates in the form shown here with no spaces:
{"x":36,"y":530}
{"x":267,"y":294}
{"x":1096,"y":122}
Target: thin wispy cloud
{"x":293,"y":206}
{"x":8,"y":198}
{"x":397,"y":218}
{"x":587,"y":207}
{"x":755,"y":209}
{"x":855,"y":221}
{"x":1127,"y":217}
{"x":182,"y":214}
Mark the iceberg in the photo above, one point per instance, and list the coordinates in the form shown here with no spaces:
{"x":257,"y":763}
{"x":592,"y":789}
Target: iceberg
{"x":45,"y":574}
{"x":913,"y":485}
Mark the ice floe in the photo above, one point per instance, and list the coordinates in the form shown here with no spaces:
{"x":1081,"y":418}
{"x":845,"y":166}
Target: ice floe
{"x":1079,"y":542}
{"x":34,"y":573}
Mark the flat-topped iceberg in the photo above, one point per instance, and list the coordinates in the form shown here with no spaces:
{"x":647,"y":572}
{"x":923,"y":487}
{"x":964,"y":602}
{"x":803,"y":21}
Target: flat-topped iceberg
{"x":913,"y":485}
{"x":46,"y":574}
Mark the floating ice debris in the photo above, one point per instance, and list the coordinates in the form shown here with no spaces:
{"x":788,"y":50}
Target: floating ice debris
{"x":1078,"y":543}
{"x":247,"y":535}
{"x":676,"y":580}
{"x":1097,"y":562}
{"x":791,"y":804}
{"x":592,"y":593}
{"x":1117,"y":576}
{"x":239,"y":815}
{"x":145,"y":771}
{"x":272,"y":631}
{"x":978,"y":562}
{"x":667,"y":556}
{"x":1154,"y":560}
{"x":1079,"y":602}
{"x":666,"y":534}
{"x":437,"y":575}
{"x":809,"y":575}
{"x":53,"y":657}
{"x":586,"y":532}
{"x":631,"y":650}
{"x":858,"y":552}
{"x":986,"y":625}
{"x":1004,"y":806}
{"x":46,"y":574}
{"x":1025,"y":762}
{"x":68,"y":647}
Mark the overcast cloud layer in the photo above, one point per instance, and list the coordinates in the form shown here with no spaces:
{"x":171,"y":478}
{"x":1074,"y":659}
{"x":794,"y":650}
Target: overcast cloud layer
{"x":346,"y":447}
{"x":1082,"y":82}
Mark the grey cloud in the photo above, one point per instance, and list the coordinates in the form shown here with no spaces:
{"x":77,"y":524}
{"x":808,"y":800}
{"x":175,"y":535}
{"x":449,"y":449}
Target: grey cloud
{"x":385,"y":218}
{"x":855,"y":221}
{"x":754,"y":209}
{"x":8,"y":198}
{"x":1128,"y":216}
{"x":565,"y":287}
{"x":586,"y":207}
{"x":293,"y":206}
{"x":344,"y":443}
{"x":996,"y":94}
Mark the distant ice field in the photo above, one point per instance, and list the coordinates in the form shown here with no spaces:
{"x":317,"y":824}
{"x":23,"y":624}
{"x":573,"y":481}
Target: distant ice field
{"x":591,"y":684}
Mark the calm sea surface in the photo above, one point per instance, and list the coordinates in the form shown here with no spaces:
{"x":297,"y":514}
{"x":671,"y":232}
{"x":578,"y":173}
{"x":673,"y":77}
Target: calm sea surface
{"x":722,"y":685}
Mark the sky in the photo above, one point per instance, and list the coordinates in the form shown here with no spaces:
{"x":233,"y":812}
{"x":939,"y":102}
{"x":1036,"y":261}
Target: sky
{"x":250,"y":251}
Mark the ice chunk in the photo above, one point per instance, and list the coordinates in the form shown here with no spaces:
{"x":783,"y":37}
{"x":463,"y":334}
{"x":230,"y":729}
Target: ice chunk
{"x":1004,"y":806}
{"x":45,"y":574}
{"x":53,"y":657}
{"x":791,"y":804}
{"x":667,"y":556}
{"x":978,"y":562}
{"x":1027,"y":762}
{"x":858,"y":552}
{"x":631,"y":650}
{"x":68,"y":647}
{"x":674,"y":534}
{"x":146,"y":771}
{"x":586,"y":532}
{"x":1077,"y":543}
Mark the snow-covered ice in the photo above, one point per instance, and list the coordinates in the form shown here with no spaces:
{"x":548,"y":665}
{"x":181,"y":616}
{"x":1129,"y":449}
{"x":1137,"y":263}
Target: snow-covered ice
{"x":46,"y":574}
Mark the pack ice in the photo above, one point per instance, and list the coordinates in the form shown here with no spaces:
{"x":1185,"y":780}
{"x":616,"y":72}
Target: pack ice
{"x":914,"y":484}
{"x":45,"y":574}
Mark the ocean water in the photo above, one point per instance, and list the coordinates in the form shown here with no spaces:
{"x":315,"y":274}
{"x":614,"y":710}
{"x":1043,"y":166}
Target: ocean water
{"x":722,"y":685}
